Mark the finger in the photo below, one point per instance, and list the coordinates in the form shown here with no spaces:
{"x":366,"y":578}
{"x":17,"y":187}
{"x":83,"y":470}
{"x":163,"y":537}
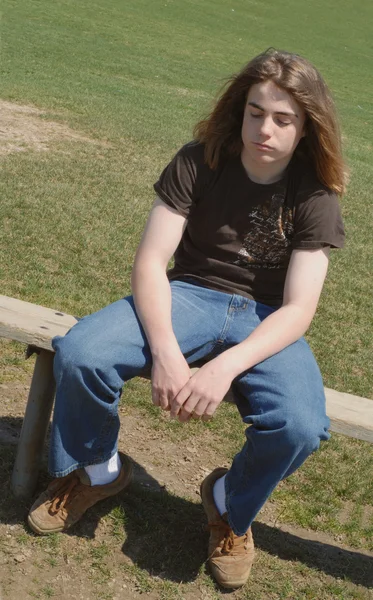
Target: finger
{"x":187,"y":408}
{"x":200,"y":407}
{"x":178,"y":402}
{"x":155,"y":397}
{"x":184,"y":416}
{"x":163,"y":401}
{"x":209,"y":411}
{"x":159,"y":398}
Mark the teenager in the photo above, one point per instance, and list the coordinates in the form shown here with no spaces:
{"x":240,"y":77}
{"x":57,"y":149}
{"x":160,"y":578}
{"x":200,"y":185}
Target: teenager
{"x":249,"y":210}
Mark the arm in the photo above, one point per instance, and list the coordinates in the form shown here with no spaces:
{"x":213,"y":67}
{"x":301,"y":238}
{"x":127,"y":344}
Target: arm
{"x":152,"y":297}
{"x":304,"y":281}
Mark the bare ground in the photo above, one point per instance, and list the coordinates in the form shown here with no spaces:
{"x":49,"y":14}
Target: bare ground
{"x":151,"y":540}
{"x":25,"y":128}
{"x":107,"y":554}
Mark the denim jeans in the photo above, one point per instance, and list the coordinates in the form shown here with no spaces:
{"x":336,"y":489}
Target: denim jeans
{"x":281,"y":398}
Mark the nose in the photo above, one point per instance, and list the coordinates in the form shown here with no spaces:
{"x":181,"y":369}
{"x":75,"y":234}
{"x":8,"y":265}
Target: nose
{"x":266,"y":127}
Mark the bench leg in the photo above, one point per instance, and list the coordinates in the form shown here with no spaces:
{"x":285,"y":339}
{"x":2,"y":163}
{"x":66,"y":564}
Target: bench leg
{"x":34,"y":428}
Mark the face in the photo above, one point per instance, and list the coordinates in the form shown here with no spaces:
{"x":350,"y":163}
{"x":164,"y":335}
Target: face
{"x":272,"y":126}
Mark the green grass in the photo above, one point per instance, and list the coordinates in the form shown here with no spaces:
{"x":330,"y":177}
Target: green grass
{"x":134,"y":77}
{"x":138,"y":75}
{"x":314,"y":497}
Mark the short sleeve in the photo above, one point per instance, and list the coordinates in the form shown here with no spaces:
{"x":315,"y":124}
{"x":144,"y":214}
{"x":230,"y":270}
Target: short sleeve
{"x":177,"y":183}
{"x":318,"y":222}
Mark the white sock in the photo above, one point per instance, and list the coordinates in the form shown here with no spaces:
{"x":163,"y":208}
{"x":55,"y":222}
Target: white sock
{"x":219,"y":495}
{"x":104,"y":472}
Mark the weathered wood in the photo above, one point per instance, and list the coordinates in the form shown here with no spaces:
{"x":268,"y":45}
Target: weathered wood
{"x":35,"y":325}
{"x":349,"y":414}
{"x":34,"y":428}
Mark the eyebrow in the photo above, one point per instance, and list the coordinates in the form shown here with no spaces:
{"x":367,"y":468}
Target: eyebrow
{"x":277,"y":112}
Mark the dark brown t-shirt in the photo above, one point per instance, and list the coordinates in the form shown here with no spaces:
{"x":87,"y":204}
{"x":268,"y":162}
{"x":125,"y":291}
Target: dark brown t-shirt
{"x":240,"y":234}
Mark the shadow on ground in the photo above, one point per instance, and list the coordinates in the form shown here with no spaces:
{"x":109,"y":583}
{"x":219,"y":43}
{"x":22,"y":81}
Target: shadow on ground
{"x":166,"y":535}
{"x":330,"y":559}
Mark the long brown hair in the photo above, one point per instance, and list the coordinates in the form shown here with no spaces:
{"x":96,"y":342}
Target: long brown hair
{"x":221,"y":130}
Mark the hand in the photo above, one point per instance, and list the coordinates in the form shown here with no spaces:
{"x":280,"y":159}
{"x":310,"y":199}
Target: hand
{"x":170,"y":373}
{"x":204,"y":391}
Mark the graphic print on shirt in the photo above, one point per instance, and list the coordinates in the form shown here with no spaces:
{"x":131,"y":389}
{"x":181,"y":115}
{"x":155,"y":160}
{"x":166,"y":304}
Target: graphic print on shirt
{"x":267,"y":242}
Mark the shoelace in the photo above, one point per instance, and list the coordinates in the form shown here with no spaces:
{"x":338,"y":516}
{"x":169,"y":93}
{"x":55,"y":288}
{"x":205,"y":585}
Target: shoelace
{"x":229,"y":537}
{"x":62,"y":495}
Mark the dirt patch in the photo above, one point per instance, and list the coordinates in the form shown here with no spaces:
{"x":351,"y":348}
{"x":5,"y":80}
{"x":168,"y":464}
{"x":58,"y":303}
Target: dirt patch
{"x":25,"y":128}
{"x":126,"y":547}
{"x":347,"y":514}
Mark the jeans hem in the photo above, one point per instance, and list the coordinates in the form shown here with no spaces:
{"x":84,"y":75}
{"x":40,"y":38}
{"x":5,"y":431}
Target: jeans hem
{"x":228,"y":495}
{"x":81,"y":465}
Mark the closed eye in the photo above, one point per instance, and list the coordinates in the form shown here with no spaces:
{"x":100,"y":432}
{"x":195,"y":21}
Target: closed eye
{"x":283,"y":123}
{"x":279,"y":121}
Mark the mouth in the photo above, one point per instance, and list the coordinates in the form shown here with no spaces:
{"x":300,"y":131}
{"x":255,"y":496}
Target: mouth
{"x":262,"y":147}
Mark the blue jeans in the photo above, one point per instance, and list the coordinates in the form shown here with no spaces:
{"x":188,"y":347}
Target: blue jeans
{"x":281,"y":398}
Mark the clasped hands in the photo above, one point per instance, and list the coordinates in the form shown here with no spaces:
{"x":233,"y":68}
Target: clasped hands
{"x":188,"y":395}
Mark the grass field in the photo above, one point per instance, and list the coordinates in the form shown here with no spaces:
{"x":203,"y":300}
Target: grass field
{"x":136,"y":77}
{"x":119,"y":86}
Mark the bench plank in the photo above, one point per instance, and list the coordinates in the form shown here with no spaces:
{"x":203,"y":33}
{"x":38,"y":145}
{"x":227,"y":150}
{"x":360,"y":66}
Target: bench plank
{"x":32,"y":324}
{"x":349,"y":414}
{"x":37,"y":325}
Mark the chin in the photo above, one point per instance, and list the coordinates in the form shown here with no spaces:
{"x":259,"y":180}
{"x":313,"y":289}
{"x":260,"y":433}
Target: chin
{"x":265,"y":159}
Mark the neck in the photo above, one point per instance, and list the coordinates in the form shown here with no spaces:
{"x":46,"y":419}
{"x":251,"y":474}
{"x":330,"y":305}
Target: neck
{"x":265,"y":173}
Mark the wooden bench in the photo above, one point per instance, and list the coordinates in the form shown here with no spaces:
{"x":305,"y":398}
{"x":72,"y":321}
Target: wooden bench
{"x":36,"y":326}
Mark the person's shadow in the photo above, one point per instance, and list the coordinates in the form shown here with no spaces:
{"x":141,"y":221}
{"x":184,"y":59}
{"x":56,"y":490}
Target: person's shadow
{"x":166,"y":535}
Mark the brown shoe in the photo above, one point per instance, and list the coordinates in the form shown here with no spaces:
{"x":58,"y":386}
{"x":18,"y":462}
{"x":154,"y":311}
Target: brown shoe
{"x":66,"y":499}
{"x":230,"y":556}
